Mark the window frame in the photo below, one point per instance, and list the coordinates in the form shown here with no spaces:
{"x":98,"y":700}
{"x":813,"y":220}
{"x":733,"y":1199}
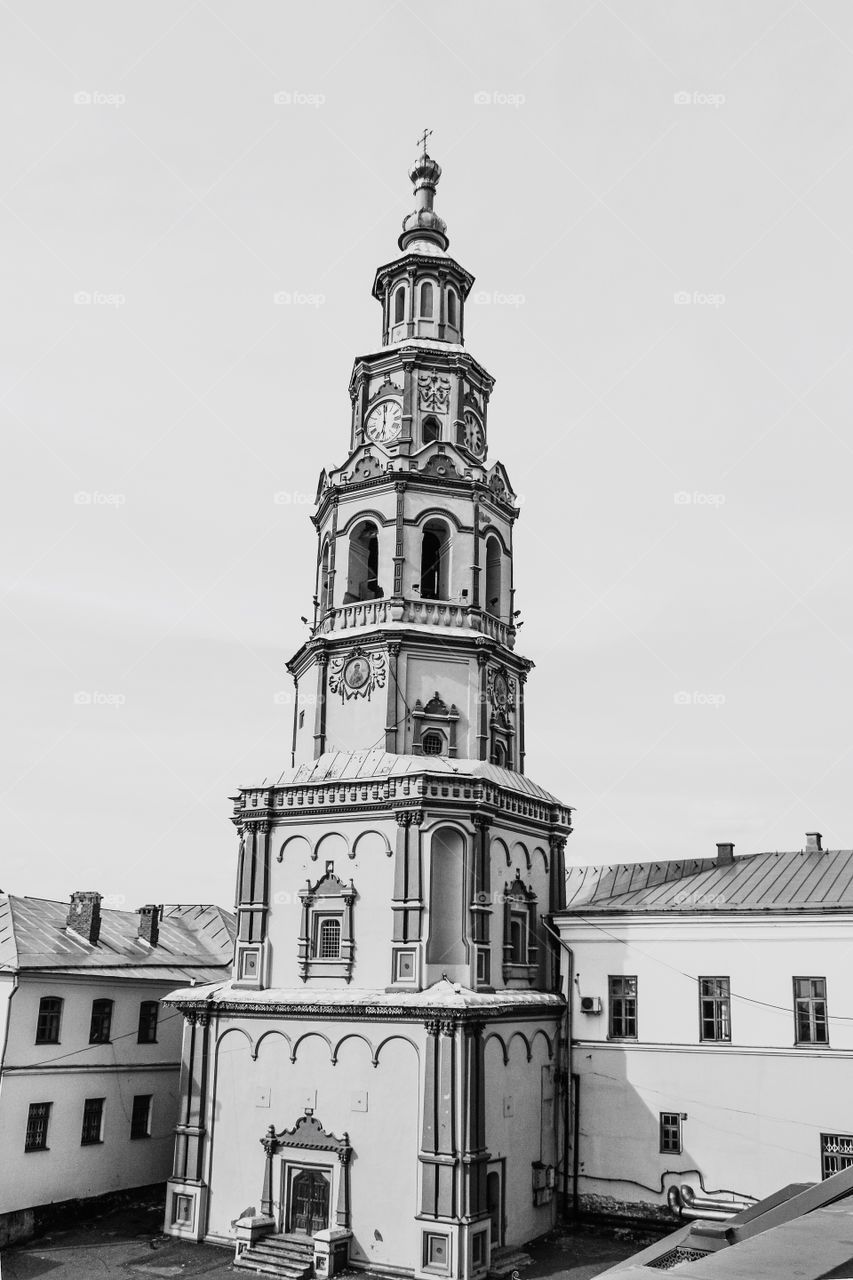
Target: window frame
{"x":134,"y":1126}
{"x":45,"y":1020}
{"x":718,"y":1002}
{"x":104,"y":1014}
{"x":433,"y":733}
{"x":86,"y":1140}
{"x":142,"y":1025}
{"x":669,"y":1132}
{"x":612,"y":997}
{"x":398,"y":296}
{"x":825,"y":1138}
{"x":810,"y":1002}
{"x":321,"y":918}
{"x":37,"y":1124}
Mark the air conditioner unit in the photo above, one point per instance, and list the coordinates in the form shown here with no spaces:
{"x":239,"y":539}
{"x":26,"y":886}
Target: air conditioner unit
{"x":590,"y":1004}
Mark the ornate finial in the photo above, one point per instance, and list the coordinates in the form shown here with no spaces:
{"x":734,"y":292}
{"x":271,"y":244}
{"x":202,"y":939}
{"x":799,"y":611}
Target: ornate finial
{"x":423,"y":223}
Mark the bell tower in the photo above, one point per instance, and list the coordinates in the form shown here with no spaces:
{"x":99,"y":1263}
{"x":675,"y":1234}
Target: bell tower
{"x":413,"y":643}
{"x":381,"y":1075}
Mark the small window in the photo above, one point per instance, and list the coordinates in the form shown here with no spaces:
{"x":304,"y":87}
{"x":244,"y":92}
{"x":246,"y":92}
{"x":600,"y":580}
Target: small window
{"x":451,"y":308}
{"x":432,"y":743}
{"x":483,"y":966}
{"x":400,"y":305}
{"x":140,"y":1120}
{"x":148,"y":1011}
{"x":426,"y":301}
{"x":836,"y":1153}
{"x":499,"y":755}
{"x":102,"y":1017}
{"x":430,"y":429}
{"x":810,"y":1011}
{"x":518,"y":938}
{"x":715,"y":1009}
{"x":50,"y":1016}
{"x":38,"y":1118}
{"x":623,"y":1008}
{"x":329,"y":939}
{"x":670,"y":1132}
{"x":93,"y":1122}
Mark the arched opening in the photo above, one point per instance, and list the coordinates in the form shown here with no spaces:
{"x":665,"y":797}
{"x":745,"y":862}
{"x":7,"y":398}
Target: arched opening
{"x":426,"y":301}
{"x":499,"y":754}
{"x":451,"y":308}
{"x":400,"y":305}
{"x":363,"y":577}
{"x":431,"y":429}
{"x":493,"y":576}
{"x":432,"y":743}
{"x":435,"y":561}
{"x":446,"y":942}
{"x":325,"y":584}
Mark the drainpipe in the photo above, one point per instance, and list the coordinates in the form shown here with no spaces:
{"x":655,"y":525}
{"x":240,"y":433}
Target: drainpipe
{"x":576,"y":1151}
{"x":573,"y":1091}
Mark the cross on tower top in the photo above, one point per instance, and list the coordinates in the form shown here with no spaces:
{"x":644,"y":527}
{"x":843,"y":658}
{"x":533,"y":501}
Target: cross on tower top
{"x":427,"y":133}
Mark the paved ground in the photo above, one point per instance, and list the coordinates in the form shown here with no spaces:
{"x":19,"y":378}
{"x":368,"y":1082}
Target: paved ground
{"x":128,"y":1243}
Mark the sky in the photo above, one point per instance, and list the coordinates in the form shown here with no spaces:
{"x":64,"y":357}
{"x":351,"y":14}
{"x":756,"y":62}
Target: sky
{"x":656,"y":201}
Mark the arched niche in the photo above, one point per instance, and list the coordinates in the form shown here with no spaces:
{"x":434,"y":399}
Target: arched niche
{"x":435,"y":560}
{"x":519,"y":850}
{"x":446,"y":942}
{"x":331,"y":846}
{"x":363,"y":567}
{"x":499,"y":849}
{"x":295,"y":848}
{"x":370,"y":844}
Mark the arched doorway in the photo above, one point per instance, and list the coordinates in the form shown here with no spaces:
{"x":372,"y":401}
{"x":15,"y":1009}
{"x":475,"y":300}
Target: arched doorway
{"x":309,"y":1202}
{"x":363,"y":576}
{"x":435,"y":561}
{"x":493,"y":576}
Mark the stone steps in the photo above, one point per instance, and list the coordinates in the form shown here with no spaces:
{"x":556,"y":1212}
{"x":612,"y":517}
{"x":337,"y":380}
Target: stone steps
{"x":505,"y":1261}
{"x":285,"y":1256}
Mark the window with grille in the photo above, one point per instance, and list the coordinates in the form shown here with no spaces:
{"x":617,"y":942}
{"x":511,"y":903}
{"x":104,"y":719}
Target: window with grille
{"x":518,"y":938}
{"x":102,"y":1017}
{"x":93,"y":1119}
{"x":329,"y":939}
{"x":670,"y":1132}
{"x":623,"y":1008}
{"x":148,"y":1011}
{"x":38,"y":1118}
{"x":50,"y":1016}
{"x":836,"y":1153}
{"x":140,"y":1120}
{"x":715,"y":1009}
{"x":432,"y":743}
{"x":810,"y":1011}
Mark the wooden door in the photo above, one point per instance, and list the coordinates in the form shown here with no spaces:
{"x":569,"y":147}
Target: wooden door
{"x":309,"y":1203}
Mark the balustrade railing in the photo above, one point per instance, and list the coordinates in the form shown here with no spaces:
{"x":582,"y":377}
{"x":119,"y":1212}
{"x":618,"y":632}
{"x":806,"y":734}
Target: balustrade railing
{"x":431,"y":613}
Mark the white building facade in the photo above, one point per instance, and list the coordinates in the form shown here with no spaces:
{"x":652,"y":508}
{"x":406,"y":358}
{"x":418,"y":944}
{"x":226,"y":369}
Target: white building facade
{"x":90,"y":1067}
{"x":712,"y":1039}
{"x":378,"y":1080}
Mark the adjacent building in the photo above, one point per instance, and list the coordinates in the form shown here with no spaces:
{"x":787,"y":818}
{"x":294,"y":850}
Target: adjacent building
{"x":378,"y":1080}
{"x":712,"y":1019}
{"x":90,"y":1066}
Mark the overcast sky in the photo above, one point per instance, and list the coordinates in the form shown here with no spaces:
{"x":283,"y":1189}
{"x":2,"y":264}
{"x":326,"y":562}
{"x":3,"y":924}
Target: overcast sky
{"x":656,"y":201}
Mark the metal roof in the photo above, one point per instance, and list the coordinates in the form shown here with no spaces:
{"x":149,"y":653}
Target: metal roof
{"x":335,"y":766}
{"x":33,"y":935}
{"x":802,"y":880}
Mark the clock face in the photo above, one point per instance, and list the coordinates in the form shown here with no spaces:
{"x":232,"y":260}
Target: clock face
{"x":473,"y":436}
{"x":384,"y":422}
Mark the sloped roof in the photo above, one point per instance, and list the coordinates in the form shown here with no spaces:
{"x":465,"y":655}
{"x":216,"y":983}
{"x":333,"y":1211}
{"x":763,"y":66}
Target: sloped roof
{"x":33,"y":935}
{"x":802,"y":880}
{"x":335,"y":766}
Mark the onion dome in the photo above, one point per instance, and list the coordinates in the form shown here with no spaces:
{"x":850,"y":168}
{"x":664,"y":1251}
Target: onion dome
{"x":423,"y":223}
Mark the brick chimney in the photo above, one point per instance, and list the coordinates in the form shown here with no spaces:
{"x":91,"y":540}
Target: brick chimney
{"x":725,"y":855}
{"x":84,"y":915}
{"x":813,"y":842}
{"x":149,"y":924}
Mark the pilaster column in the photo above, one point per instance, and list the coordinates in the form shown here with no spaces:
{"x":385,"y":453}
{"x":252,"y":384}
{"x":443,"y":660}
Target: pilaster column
{"x":438,"y":1145}
{"x":320,"y":710}
{"x":474,"y":1153}
{"x":190,"y":1131}
{"x":391,"y":717}
{"x":481,"y":895}
{"x":483,"y":710}
{"x":399,"y":537}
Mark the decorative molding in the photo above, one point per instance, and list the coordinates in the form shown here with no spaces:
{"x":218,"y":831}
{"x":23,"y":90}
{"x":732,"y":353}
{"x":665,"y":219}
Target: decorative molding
{"x":356,"y":674}
{"x":433,"y":392}
{"x":307,"y":1134}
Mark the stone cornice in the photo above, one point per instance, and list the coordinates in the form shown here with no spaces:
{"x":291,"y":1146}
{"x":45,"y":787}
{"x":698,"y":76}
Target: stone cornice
{"x":421,"y":1014}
